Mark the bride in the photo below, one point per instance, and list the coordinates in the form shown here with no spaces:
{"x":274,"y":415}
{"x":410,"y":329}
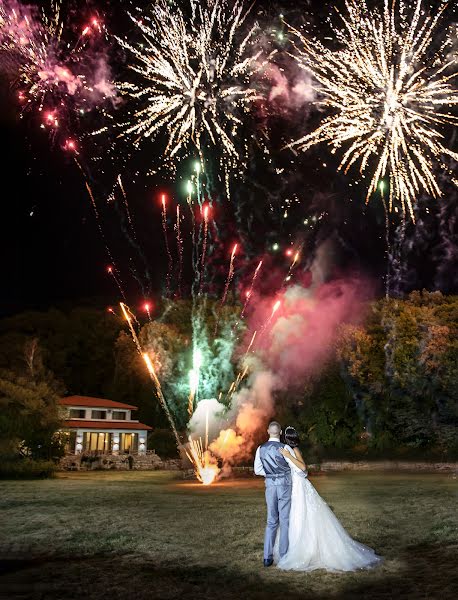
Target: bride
{"x":317,"y":540}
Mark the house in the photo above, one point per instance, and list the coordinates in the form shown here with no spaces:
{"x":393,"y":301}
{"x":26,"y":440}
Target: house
{"x":100,"y":426}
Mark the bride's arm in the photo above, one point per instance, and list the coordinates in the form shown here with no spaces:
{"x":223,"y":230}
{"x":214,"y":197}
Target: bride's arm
{"x":300,"y":459}
{"x":295,"y":458}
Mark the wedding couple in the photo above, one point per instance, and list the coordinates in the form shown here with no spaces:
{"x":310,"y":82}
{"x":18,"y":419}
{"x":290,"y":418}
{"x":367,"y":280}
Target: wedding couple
{"x":311,"y":537}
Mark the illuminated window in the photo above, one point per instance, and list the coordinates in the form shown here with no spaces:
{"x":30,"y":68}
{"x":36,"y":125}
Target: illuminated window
{"x":97,"y":442}
{"x":129,"y":442}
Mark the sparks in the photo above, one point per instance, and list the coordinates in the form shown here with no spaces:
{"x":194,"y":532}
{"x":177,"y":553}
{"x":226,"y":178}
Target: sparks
{"x":179,"y":248}
{"x":166,"y":240}
{"x":117,"y":280}
{"x":230,"y":274}
{"x":32,"y":44}
{"x":276,"y":306}
{"x":130,"y":319}
{"x":196,"y":67}
{"x":126,"y":204}
{"x":147,"y":308}
{"x":389,"y":93}
{"x":204,"y":247}
{"x":70,"y":145}
{"x":250,"y":290}
{"x":204,"y":463}
{"x":194,"y":379}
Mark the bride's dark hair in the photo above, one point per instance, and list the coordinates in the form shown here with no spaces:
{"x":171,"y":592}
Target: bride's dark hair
{"x":291,"y":437}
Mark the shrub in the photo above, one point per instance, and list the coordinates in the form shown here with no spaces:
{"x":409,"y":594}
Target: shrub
{"x":25,"y":468}
{"x":163,"y":442}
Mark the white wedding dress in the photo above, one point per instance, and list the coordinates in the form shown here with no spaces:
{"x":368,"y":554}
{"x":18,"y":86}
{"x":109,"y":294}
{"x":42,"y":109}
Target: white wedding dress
{"x":317,"y":540}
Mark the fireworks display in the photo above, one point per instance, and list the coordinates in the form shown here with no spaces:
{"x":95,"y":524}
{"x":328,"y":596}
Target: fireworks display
{"x":389,"y":91}
{"x":32,"y":47}
{"x":205,"y":463}
{"x":58,"y":71}
{"x":193,"y":69}
{"x":249,"y":292}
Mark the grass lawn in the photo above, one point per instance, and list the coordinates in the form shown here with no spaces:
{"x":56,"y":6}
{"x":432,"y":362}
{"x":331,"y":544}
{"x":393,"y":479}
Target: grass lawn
{"x":151,"y":535}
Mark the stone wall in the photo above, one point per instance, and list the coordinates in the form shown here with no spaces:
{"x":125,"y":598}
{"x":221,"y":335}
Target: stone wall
{"x":152,"y":462}
{"x":134,"y":462}
{"x":383,"y":465}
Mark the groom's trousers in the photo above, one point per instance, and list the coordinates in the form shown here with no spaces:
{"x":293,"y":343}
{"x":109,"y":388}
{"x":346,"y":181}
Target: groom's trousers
{"x":278,"y":499}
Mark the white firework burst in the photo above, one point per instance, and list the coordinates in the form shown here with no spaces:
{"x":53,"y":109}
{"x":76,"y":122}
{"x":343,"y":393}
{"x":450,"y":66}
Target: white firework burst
{"x":194,"y":71}
{"x":389,"y":91}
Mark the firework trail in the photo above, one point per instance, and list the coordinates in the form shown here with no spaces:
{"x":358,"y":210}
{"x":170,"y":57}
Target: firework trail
{"x":112,"y":312}
{"x":250,"y":291}
{"x":179,"y":248}
{"x":235,"y":384}
{"x":70,"y":145}
{"x":389,"y":93}
{"x":230,"y":274}
{"x":129,"y":317}
{"x":154,"y":378}
{"x":250,"y":345}
{"x":387,"y":239}
{"x":167,"y":247}
{"x":292,"y":265}
{"x":241,"y":374}
{"x":195,"y":251}
{"x":96,"y":212}
{"x":275,"y":307}
{"x":204,"y":248}
{"x":194,"y":377}
{"x":111,"y":272}
{"x":126,"y":205}
{"x":195,"y":66}
{"x":198,"y":169}
{"x":229,"y":278}
{"x":147,"y":308}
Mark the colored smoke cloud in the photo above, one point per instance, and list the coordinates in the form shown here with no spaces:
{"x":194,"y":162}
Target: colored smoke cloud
{"x":292,"y":343}
{"x":291,"y":91}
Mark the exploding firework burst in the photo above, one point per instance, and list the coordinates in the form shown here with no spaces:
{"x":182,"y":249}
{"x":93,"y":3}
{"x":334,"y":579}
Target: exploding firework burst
{"x":53,"y":67}
{"x":390,"y":94}
{"x":30,"y":44}
{"x":194,"y":68}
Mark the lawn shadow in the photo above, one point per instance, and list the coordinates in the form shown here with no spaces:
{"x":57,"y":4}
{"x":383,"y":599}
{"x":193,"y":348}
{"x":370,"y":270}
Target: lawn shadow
{"x":427,"y":572}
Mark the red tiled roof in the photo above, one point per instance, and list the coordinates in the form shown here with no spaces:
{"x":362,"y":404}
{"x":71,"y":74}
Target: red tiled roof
{"x":104,"y":424}
{"x":94,"y":402}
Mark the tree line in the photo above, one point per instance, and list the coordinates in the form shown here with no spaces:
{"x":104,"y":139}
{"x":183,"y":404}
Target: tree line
{"x":389,"y":388}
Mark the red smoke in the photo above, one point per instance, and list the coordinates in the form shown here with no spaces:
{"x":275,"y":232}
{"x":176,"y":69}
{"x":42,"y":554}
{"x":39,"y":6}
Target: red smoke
{"x":292,"y":342}
{"x":301,"y":333}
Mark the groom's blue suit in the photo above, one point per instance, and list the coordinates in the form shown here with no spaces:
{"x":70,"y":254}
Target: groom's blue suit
{"x":277,"y":473}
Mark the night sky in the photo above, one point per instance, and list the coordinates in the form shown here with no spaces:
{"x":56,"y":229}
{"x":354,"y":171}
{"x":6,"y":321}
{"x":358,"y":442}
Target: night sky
{"x":53,"y":253}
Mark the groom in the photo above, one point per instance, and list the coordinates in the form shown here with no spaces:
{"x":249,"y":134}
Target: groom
{"x":269,"y":463}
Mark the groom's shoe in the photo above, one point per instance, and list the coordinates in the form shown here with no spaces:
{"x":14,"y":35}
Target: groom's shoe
{"x":268,"y":562}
